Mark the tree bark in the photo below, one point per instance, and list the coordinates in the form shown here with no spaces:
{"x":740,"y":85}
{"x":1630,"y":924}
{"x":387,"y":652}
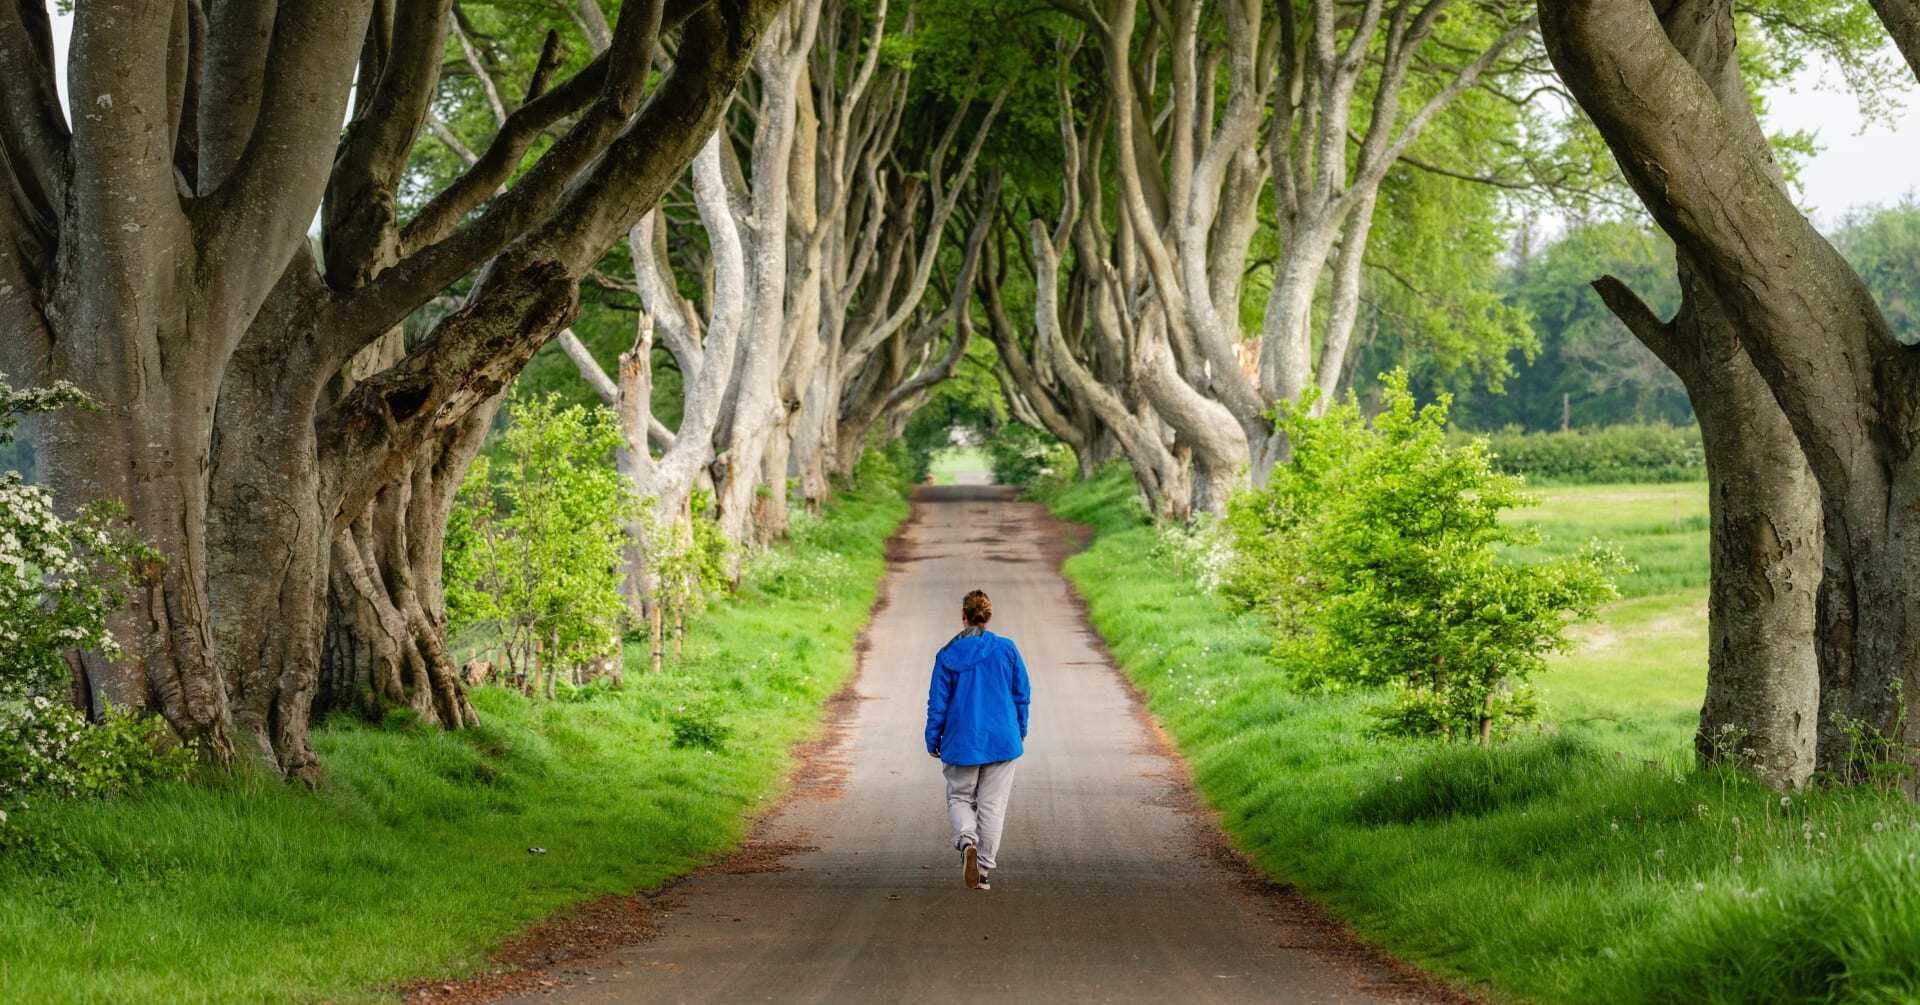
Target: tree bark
{"x":1763,"y":687}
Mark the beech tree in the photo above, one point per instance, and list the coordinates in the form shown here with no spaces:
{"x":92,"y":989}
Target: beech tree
{"x":1214,"y":111}
{"x":1656,"y":80}
{"x":262,"y":425}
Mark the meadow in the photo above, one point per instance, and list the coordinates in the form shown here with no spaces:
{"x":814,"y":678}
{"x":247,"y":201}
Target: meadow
{"x":1635,"y":682}
{"x":425,"y":849}
{"x":1588,"y":861}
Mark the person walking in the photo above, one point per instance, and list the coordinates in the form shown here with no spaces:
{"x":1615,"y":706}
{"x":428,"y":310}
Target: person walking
{"x":976,"y":724}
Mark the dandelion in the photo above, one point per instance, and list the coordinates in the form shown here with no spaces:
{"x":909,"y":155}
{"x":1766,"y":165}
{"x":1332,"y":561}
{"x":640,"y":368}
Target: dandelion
{"x":1737,"y":860}
{"x":1786,"y":801}
{"x":1616,"y":826}
{"x":1699,"y":887}
{"x":1660,"y":854}
{"x":1735,"y":821}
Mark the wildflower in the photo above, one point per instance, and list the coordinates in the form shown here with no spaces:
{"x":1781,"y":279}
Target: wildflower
{"x":1735,"y":821}
{"x":1699,"y":887}
{"x":1737,"y":860}
{"x":1616,"y":826}
{"x":1878,"y":826}
{"x":1660,"y":854}
{"x":1786,"y":801}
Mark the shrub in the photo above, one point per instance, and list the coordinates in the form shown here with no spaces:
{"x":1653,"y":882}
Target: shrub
{"x":60,"y":580}
{"x":49,"y":748}
{"x":1607,"y":454}
{"x":697,"y":725}
{"x":1201,"y":552}
{"x":1377,"y":552}
{"x":534,"y":545}
{"x":1019,"y":454}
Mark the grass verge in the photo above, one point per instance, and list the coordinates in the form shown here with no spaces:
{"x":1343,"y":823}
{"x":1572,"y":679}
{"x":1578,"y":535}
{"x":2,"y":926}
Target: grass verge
{"x":1564,"y":866}
{"x":414,"y":860}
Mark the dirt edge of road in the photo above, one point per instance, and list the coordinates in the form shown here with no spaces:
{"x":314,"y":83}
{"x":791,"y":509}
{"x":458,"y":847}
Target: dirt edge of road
{"x":524,"y":963}
{"x":1333,"y":939}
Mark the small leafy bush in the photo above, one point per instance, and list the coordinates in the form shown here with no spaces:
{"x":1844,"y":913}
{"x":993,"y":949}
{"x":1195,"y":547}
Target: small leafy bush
{"x":1200,"y":552}
{"x":697,"y":725}
{"x":1378,"y":554}
{"x":1604,"y":455}
{"x":1019,"y":454}
{"x":50,"y":749}
{"x":534,"y":544}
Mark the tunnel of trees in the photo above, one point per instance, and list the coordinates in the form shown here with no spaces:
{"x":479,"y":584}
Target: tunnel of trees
{"x":764,"y":233}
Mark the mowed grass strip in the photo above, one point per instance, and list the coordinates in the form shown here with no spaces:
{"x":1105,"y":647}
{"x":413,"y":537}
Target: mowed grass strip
{"x":414,"y":860}
{"x":1588,"y":862}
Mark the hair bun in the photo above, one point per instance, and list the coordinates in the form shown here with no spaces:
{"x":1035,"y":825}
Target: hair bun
{"x":976,"y":608}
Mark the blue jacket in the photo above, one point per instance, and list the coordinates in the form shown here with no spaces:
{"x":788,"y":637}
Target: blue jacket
{"x":977,"y":702}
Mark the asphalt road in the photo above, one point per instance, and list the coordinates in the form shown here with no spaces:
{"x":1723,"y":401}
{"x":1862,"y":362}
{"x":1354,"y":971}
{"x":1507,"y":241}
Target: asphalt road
{"x":1109,"y":886}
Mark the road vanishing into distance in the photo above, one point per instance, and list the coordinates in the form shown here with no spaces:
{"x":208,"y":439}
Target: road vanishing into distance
{"x":1111,"y":885}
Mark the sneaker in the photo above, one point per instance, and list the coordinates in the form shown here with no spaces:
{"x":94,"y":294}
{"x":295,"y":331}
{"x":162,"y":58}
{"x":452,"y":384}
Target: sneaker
{"x":970,"y":859}
{"x":983,"y":884}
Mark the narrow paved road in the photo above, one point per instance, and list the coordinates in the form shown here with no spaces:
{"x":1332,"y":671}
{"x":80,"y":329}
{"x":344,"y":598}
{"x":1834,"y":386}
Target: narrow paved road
{"x":1108,"y":888}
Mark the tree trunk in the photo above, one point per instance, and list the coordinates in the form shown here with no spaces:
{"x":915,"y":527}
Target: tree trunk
{"x":386,"y":638}
{"x":1763,"y":686}
{"x":1688,"y":142}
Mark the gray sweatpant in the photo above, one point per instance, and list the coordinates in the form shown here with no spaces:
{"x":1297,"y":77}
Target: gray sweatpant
{"x":977,"y":805}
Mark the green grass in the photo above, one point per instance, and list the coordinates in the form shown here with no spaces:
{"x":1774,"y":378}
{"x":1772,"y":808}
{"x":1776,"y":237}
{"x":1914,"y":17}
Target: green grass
{"x":951,"y":462}
{"x":413,"y":861}
{"x":1635,"y":683}
{"x":1662,"y":530}
{"x":1562,"y":866}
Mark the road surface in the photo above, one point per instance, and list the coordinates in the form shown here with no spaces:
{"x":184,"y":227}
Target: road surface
{"x":1109,"y":886}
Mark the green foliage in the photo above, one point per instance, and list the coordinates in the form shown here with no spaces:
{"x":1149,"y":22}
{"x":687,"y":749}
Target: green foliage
{"x":1586,"y":360}
{"x":533,"y":548}
{"x":1383,"y":567}
{"x":1883,"y":245}
{"x":250,"y":890}
{"x":698,"y":725}
{"x":1019,"y":454}
{"x":60,"y":580}
{"x":1601,"y":456}
{"x":968,"y":402}
{"x":1591,"y":864}
{"x":50,"y":749}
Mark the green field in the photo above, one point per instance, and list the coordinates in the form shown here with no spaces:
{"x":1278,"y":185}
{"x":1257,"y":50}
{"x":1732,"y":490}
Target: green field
{"x":1588,"y":862}
{"x":1636,"y":681}
{"x":415,"y":859}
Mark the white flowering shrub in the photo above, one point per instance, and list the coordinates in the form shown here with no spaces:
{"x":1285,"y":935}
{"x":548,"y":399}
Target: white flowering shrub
{"x":1200,"y":552}
{"x":60,"y":579}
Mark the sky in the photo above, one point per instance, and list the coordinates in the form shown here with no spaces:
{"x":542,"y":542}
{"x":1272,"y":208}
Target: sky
{"x":1858,"y":164}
